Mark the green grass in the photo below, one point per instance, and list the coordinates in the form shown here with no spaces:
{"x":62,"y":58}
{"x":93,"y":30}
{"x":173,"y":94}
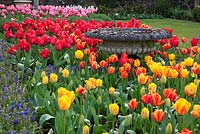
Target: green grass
{"x":182,"y":28}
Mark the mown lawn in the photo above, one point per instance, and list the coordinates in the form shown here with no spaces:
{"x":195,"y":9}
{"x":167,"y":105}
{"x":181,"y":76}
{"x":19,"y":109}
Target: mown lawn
{"x":181,"y":28}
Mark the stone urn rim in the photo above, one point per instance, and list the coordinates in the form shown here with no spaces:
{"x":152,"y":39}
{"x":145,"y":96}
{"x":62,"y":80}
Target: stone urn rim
{"x":129,"y":34}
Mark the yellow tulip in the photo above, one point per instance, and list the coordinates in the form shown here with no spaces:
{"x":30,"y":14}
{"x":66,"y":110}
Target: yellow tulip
{"x":145,"y":113}
{"x":188,"y":62}
{"x":184,"y":73}
{"x":53,"y":77}
{"x":79,"y":54}
{"x":171,"y":57}
{"x":98,"y":83}
{"x":111,"y":90}
{"x":65,"y":73}
{"x":152,"y":87}
{"x":114,"y":109}
{"x":45,"y":80}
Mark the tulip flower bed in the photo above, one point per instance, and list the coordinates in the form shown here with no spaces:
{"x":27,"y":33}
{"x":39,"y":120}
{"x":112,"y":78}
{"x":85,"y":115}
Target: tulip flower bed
{"x":48,"y":10}
{"x":77,"y":88}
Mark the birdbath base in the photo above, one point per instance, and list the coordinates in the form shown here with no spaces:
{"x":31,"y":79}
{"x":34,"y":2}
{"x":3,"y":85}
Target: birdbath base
{"x":22,"y":2}
{"x":129,"y":47}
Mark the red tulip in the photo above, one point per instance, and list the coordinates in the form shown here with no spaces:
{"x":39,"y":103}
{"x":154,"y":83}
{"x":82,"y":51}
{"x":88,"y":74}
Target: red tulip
{"x":44,"y":53}
{"x":194,"y":41}
{"x":12,"y":50}
{"x":133,"y":104}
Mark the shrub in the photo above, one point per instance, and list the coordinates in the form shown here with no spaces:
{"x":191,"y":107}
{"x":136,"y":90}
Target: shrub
{"x":163,"y":7}
{"x":196,"y":12}
{"x":99,"y":17}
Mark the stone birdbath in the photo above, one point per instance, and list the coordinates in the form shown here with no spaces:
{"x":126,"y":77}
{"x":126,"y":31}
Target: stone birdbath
{"x":128,"y":40}
{"x":21,"y":2}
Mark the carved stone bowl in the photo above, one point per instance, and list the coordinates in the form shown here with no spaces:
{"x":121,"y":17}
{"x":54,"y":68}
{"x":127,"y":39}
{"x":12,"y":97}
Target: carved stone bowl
{"x":128,"y":40}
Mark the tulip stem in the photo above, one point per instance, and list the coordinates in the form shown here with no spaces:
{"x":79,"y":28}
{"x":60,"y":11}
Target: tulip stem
{"x":180,"y":122}
{"x":113,"y":125}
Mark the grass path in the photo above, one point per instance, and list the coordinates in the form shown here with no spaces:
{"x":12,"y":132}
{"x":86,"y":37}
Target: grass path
{"x":182,"y":28}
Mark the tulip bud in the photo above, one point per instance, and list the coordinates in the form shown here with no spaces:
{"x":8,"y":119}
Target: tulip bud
{"x":53,"y":95}
{"x":99,"y":100}
{"x":128,"y":119}
{"x":168,"y":129}
{"x":33,"y":81}
{"x":168,"y":103}
{"x":81,"y":119}
{"x":43,"y":74}
{"x":163,"y":79}
{"x":86,"y":130}
{"x":37,"y":63}
{"x":60,"y":70}
{"x":142,"y":91}
{"x":71,"y":83}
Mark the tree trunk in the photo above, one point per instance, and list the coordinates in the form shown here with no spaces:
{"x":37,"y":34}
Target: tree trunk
{"x":196,"y":2}
{"x":35,"y":4}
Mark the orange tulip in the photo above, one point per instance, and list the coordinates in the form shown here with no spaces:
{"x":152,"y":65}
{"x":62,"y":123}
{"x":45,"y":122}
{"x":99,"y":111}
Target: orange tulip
{"x":196,"y":111}
{"x":133,"y":104}
{"x":155,"y":99}
{"x":111,"y":70}
{"x":127,"y":67}
{"x":140,"y":70}
{"x":81,"y":90}
{"x":170,"y":93}
{"x":196,"y":69}
{"x":64,"y":103}
{"x":142,"y":79}
{"x":94,"y":65}
{"x":103,"y":64}
{"x":183,"y":39}
{"x":182,"y":106}
{"x":86,"y":51}
{"x":191,"y":89}
{"x":123,"y":74}
{"x":148,"y":60}
{"x":113,"y":58}
{"x":158,"y":115}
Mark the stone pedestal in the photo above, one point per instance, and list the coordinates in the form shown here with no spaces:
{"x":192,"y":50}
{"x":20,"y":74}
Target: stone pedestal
{"x":21,"y":2}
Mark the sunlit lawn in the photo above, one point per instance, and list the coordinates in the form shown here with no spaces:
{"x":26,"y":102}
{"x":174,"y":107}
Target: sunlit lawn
{"x":181,"y":28}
